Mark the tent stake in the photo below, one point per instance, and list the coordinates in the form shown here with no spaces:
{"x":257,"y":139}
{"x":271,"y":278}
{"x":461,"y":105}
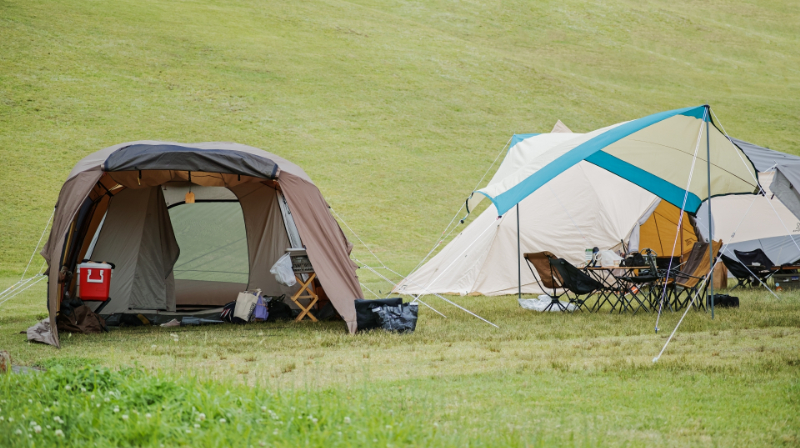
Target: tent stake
{"x":519,"y":259}
{"x":710,"y":298}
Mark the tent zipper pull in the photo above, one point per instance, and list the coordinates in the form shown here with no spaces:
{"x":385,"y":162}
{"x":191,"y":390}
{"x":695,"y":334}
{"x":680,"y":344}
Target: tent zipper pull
{"x":139,"y":179}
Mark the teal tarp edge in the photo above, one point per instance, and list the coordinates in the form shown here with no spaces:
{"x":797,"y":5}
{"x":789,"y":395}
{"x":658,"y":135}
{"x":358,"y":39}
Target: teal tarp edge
{"x":516,"y":138}
{"x":507,"y":200}
{"x":654,"y":184}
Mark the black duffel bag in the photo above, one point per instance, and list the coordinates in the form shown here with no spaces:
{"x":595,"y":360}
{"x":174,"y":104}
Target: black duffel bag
{"x":366,"y":319}
{"x":723,"y":301}
{"x":401,"y":318}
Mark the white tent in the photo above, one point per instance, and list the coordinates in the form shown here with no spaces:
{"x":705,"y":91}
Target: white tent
{"x":583,"y":207}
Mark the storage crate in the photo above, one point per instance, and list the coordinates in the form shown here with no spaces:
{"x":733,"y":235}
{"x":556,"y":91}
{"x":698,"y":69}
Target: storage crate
{"x":787,"y":281}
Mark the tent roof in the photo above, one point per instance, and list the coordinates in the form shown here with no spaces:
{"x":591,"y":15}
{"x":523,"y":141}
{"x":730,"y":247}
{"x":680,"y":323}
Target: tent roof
{"x":219,"y":157}
{"x":655,"y":152}
{"x":764,"y":159}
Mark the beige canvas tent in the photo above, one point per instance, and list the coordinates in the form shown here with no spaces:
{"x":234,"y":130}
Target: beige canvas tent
{"x":125,"y":205}
{"x":583,"y":207}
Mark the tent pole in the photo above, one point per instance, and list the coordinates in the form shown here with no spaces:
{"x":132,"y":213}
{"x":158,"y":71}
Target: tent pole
{"x":519,"y":259}
{"x":710,"y":298}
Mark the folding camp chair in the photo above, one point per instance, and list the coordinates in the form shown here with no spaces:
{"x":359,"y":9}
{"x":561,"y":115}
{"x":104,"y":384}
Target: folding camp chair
{"x":575,"y":281}
{"x":758,"y":263}
{"x":547,"y":279}
{"x":743,"y":276}
{"x":689,"y":278}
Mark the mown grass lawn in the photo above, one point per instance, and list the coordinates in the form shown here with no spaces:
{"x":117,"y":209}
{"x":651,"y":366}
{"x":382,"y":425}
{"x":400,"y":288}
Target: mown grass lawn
{"x":538,"y":380}
{"x":395,"y":109}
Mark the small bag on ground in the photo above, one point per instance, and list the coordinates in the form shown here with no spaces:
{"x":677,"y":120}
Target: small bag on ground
{"x":366,"y":319}
{"x":245,"y":305}
{"x":401,"y":318}
{"x":724,"y":301}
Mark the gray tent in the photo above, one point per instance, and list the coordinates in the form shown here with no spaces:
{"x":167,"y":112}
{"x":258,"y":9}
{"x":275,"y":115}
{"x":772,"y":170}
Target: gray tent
{"x":767,"y":223}
{"x":125,"y":205}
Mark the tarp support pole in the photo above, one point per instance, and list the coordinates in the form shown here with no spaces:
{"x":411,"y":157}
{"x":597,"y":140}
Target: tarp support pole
{"x":519,"y":259}
{"x":710,"y":298}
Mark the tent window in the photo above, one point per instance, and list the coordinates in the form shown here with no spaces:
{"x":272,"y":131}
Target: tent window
{"x":213,"y":242}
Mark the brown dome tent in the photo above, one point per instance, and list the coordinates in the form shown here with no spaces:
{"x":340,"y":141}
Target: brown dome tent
{"x":125,"y":205}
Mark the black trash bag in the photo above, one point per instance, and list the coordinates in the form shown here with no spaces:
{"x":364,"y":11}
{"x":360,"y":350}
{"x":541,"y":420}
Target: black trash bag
{"x":365,"y":318}
{"x":401,"y":318}
{"x":724,"y":301}
{"x":279,"y":310}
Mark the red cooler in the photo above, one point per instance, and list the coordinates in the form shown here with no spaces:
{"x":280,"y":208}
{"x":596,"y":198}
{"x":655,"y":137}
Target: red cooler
{"x":95,"y":280}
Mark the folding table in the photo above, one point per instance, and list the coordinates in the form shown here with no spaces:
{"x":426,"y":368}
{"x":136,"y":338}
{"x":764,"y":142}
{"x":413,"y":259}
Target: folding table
{"x":619,"y":287}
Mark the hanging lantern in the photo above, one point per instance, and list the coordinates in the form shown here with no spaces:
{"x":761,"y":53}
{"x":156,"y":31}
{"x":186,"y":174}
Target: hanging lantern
{"x":189,"y":199}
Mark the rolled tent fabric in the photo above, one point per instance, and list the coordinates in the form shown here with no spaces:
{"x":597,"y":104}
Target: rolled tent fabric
{"x":326,"y":245}
{"x":655,"y":152}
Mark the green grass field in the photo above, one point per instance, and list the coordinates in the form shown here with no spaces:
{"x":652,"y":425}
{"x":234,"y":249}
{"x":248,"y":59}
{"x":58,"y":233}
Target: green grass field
{"x":395,"y":109}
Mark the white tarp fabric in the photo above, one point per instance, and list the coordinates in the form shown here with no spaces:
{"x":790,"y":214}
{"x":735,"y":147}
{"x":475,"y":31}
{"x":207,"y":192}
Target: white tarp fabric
{"x":583,"y":207}
{"x":656,"y":153}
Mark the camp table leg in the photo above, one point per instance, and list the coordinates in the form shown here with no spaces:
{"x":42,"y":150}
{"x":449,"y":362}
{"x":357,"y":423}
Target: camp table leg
{"x":305,"y":286}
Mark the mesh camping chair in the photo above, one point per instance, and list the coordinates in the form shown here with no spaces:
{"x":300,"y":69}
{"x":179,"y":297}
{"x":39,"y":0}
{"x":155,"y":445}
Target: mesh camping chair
{"x":575,"y":281}
{"x":689,"y":278}
{"x":757,"y":262}
{"x":548,"y":278}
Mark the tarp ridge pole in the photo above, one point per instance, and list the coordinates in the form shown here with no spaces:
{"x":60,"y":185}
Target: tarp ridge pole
{"x":710,"y":227}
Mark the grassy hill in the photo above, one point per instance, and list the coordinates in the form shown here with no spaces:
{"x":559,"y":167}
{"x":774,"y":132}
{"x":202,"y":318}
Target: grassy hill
{"x":394,"y":108}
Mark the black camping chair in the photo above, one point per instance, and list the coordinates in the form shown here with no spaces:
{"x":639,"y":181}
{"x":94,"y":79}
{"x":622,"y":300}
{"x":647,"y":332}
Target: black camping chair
{"x":757,"y":262}
{"x":574,"y":281}
{"x":743,"y":277}
{"x":644,"y":282}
